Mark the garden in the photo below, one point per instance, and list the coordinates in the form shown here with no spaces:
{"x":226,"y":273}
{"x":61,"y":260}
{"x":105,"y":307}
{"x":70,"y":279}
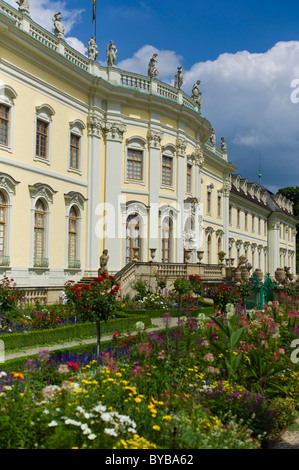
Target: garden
{"x":213,"y":376}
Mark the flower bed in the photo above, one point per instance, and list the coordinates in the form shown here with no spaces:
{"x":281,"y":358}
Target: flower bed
{"x":211,"y":382}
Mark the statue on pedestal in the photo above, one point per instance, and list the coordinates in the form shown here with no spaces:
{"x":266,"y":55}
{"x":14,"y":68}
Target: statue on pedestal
{"x":24,"y":6}
{"x":111,"y":54}
{"x":104,"y":263}
{"x":213,"y":137}
{"x":92,"y":49}
{"x":196,"y":94}
{"x":58,"y":29}
{"x":152,"y":70}
{"x":179,"y":78}
{"x":223,"y":145}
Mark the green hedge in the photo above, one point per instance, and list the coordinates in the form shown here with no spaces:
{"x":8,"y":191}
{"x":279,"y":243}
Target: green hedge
{"x":68,"y":333}
{"x":159,"y":313}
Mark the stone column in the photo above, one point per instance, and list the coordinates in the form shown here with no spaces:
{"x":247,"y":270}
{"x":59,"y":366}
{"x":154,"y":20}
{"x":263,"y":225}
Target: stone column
{"x":114,"y":132}
{"x":94,"y":129}
{"x":154,"y":145}
{"x":273,"y":244}
{"x":181,"y":149}
{"x":225,"y":212}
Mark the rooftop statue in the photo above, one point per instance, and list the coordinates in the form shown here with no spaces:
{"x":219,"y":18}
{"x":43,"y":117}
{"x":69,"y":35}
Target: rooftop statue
{"x":111,"y":54}
{"x":213,"y":137}
{"x":24,"y":6}
{"x":92,"y":49}
{"x":223,"y":144}
{"x":152,"y":70}
{"x":179,"y":78}
{"x":58,"y":29}
{"x":196,"y":94}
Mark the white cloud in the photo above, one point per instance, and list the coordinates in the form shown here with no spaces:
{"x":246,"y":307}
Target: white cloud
{"x":77,"y":45}
{"x":167,"y":64}
{"x":42,"y":11}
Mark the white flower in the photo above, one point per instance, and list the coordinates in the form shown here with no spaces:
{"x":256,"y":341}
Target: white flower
{"x":52,"y":424}
{"x":139,"y":326}
{"x":3,"y":374}
{"x":91,"y":436}
{"x":106,"y":417}
{"x":111,"y":432}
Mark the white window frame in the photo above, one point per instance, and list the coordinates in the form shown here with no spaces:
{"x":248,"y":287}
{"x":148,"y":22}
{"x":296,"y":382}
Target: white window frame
{"x":44,"y":113}
{"x":168,"y":151}
{"x":7,"y":97}
{"x":136,"y":143}
{"x":76,"y":128}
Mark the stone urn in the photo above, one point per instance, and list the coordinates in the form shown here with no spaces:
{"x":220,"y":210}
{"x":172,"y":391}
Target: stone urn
{"x":135,"y":254}
{"x":232,"y":261}
{"x":153,"y":253}
{"x":187,"y":255}
{"x":259,"y":274}
{"x":221,"y":256}
{"x":280,"y":275}
{"x":245,"y":274}
{"x":237,"y":275}
{"x":200,"y":256}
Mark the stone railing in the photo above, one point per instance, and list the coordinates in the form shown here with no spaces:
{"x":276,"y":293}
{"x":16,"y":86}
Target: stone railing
{"x":42,"y":295}
{"x":115,"y":76}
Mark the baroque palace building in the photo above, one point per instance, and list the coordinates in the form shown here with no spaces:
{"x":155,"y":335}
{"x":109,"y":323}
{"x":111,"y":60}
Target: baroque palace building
{"x":95,"y":158}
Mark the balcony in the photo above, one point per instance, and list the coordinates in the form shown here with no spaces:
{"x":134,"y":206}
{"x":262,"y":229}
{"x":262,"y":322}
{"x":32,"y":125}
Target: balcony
{"x":4,"y":260}
{"x":74,"y":264}
{"x":41,"y":262}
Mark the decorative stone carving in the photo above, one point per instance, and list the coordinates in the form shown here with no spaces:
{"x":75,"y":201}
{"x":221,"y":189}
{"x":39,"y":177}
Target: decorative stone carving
{"x":115,"y":131}
{"x":92,"y":49}
{"x":196,"y":94}
{"x":178,"y":79}
{"x":152,"y":70}
{"x":42,"y":190}
{"x":223,"y":145}
{"x":213,"y":137}
{"x":58,"y":29}
{"x":8,"y":183}
{"x":95,"y":126}
{"x":111,"y":54}
{"x":24,"y":6}
{"x":154,"y":139}
{"x":104,"y":263}
{"x":280,"y":276}
{"x":181,"y":146}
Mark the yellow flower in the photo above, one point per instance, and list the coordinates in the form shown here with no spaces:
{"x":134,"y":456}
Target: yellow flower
{"x":167,"y":418}
{"x":156,"y":427}
{"x":137,"y":400}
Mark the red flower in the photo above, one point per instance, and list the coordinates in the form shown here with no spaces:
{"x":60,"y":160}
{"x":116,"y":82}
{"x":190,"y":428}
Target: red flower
{"x":73,"y":365}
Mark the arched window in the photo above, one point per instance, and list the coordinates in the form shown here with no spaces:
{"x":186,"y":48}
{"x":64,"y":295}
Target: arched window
{"x":166,"y":240}
{"x":39,"y":234}
{"x":73,"y":237}
{"x":2,"y":227}
{"x":132,"y":238}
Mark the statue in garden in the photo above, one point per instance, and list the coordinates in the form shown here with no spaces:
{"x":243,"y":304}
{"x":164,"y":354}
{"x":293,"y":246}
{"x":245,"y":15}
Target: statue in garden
{"x":196,"y":94}
{"x":179,"y":80}
{"x":24,"y":6}
{"x":111,"y":54}
{"x":152,"y":68}
{"x":58,"y":29}
{"x":92,"y":49}
{"x":104,"y":263}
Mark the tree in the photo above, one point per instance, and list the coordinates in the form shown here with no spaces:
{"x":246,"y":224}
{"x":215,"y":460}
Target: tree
{"x":292,"y":193}
{"x":94,"y":302}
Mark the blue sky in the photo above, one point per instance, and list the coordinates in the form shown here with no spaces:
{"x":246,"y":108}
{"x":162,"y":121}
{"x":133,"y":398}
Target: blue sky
{"x":246,"y":55}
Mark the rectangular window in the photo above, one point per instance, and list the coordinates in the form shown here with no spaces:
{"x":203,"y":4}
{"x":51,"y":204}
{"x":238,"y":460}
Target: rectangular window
{"x":74,"y":151}
{"x":4,"y":116}
{"x":134,"y":165}
{"x":230,"y":215}
{"x":246,"y":221}
{"x":209,"y":202}
{"x":252,"y":223}
{"x":41,"y":139}
{"x":189,"y":178}
{"x":259,"y":225}
{"x":167,"y":171}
